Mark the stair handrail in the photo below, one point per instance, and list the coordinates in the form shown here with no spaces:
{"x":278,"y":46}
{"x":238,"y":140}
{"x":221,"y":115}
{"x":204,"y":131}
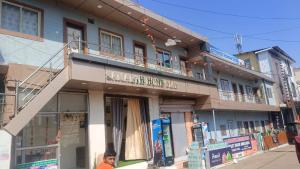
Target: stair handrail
{"x":38,"y":69}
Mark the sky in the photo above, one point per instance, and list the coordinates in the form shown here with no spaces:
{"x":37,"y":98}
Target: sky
{"x":261,"y":23}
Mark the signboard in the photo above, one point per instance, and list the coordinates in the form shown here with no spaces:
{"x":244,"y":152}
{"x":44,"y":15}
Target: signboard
{"x":194,"y":156}
{"x":44,"y":164}
{"x":5,"y":149}
{"x":220,"y":156}
{"x":136,"y":79}
{"x":216,"y":146}
{"x":239,"y":144}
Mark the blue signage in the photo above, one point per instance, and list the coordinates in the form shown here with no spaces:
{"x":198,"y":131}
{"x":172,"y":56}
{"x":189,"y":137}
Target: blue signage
{"x":157,"y":138}
{"x":220,"y":156}
{"x":239,"y":144}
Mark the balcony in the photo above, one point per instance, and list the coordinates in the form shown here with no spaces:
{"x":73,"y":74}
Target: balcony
{"x":238,"y":97}
{"x":130,"y":60}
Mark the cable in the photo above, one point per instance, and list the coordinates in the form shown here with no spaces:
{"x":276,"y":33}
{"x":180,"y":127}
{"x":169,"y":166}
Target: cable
{"x":224,"y":14}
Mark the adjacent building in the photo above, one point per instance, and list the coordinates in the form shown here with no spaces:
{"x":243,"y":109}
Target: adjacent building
{"x":79,"y":77}
{"x":277,"y":64}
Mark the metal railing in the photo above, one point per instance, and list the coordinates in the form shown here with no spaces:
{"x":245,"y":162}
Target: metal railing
{"x":27,"y":155}
{"x":27,"y":89}
{"x":238,"y":97}
{"x":7,"y":102}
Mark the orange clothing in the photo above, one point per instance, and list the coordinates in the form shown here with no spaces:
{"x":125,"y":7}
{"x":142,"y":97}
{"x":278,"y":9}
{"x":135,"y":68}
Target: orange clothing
{"x":103,"y":165}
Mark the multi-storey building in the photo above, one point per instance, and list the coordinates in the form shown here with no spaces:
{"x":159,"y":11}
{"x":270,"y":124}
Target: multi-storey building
{"x":277,"y":64}
{"x":80,"y":77}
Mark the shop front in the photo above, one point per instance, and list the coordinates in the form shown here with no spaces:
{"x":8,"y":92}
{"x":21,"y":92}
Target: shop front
{"x":56,"y":137}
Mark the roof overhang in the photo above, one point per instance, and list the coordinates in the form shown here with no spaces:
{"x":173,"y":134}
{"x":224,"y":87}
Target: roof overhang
{"x":133,"y":16}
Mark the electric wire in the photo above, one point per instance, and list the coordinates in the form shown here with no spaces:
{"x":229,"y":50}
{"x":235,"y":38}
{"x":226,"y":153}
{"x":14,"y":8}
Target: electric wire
{"x":223,"y":13}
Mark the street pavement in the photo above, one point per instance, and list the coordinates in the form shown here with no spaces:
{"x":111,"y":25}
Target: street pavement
{"x":281,"y":158}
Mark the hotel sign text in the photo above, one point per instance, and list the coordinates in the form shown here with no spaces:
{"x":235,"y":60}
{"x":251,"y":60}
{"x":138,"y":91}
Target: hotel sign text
{"x":140,"y":80}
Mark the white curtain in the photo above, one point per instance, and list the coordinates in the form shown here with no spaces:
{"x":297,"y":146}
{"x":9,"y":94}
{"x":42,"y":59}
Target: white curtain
{"x":135,"y":141}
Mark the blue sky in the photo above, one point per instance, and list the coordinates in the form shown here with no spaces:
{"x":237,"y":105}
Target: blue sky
{"x":276,"y":22}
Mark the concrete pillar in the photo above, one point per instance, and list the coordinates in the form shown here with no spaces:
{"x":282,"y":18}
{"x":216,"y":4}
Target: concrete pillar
{"x":96,"y":126}
{"x":153,"y":114}
{"x":188,"y":118}
{"x":215,"y":125}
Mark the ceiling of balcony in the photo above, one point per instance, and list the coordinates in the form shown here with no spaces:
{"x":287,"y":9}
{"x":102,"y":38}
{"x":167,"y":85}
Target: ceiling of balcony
{"x":136,"y":17}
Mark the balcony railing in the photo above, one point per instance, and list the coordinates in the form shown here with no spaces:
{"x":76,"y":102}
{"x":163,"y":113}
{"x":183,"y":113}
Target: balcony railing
{"x":128,"y":57}
{"x":238,"y":97}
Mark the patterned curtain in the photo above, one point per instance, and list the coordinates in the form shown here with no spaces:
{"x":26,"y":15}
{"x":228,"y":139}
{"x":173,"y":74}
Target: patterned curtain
{"x":10,"y":17}
{"x":116,"y":46}
{"x":30,"y":22}
{"x":105,"y":43}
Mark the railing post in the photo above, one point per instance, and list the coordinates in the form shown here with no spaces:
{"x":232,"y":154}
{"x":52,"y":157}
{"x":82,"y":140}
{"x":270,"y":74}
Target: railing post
{"x":16,"y":98}
{"x":50,"y":78}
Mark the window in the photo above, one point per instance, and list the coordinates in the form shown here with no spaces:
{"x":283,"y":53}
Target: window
{"x":240,"y":128}
{"x":247,"y":63}
{"x":223,"y":130}
{"x":224,"y":85}
{"x":183,"y":66}
{"x":294,"y":90}
{"x":19,"y":18}
{"x":200,"y":75}
{"x":256,"y":127}
{"x":139,"y":53}
{"x":111,"y":43}
{"x":269,"y":93}
{"x":164,"y":58}
{"x":230,"y":127}
{"x":252,"y":126}
{"x":246,"y":126}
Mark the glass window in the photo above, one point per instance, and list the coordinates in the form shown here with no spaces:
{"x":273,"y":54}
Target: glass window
{"x":20,"y":19}
{"x":294,"y":90}
{"x":111,"y":43}
{"x":225,"y":85}
{"x":240,"y":128}
{"x":247,"y":63}
{"x":164,"y":58}
{"x":223,"y":130}
{"x":269,"y":92}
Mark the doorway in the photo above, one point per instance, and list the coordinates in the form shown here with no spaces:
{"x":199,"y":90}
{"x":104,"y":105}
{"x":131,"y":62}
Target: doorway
{"x":75,"y":34}
{"x":241,"y":87}
{"x":140,"y":55}
{"x":235,"y":91}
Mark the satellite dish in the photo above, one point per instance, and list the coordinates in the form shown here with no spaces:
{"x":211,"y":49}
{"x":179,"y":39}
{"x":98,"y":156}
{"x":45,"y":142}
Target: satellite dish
{"x":172,"y":42}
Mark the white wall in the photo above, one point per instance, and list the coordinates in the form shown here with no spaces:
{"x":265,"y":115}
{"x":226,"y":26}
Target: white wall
{"x":96,"y":126}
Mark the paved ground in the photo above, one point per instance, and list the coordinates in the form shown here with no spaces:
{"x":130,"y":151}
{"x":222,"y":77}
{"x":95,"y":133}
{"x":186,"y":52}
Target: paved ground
{"x":282,"y":158}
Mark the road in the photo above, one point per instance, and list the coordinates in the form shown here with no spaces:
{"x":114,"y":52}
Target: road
{"x":282,"y":158}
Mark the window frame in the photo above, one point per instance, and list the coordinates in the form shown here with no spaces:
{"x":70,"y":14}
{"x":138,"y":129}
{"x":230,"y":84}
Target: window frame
{"x":159,"y":60}
{"x":111,"y":34}
{"x":20,"y":34}
{"x":269,"y":93}
{"x":221,"y":85}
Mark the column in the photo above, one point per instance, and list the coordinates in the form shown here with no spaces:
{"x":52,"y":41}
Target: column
{"x":188,"y":118}
{"x":96,"y":126}
{"x":215,"y":125}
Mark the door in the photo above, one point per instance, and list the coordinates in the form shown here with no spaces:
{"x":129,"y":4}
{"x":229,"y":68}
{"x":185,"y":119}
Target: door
{"x":183,"y":67}
{"x":140,"y":54}
{"x":74,"y":33}
{"x":73,"y":143}
{"x":235,"y":92}
{"x":242,"y":92}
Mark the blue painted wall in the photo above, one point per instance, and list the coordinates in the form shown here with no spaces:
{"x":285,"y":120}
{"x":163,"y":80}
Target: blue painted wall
{"x":25,"y":51}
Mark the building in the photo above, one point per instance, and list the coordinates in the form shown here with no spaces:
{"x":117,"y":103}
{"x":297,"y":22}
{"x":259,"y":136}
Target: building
{"x":277,"y":64}
{"x":79,"y":77}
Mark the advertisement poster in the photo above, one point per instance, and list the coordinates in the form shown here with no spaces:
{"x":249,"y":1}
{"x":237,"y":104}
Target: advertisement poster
{"x":45,"y":164}
{"x":220,"y":156}
{"x":239,"y":144}
{"x":157,"y":138}
{"x":5,"y":149}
